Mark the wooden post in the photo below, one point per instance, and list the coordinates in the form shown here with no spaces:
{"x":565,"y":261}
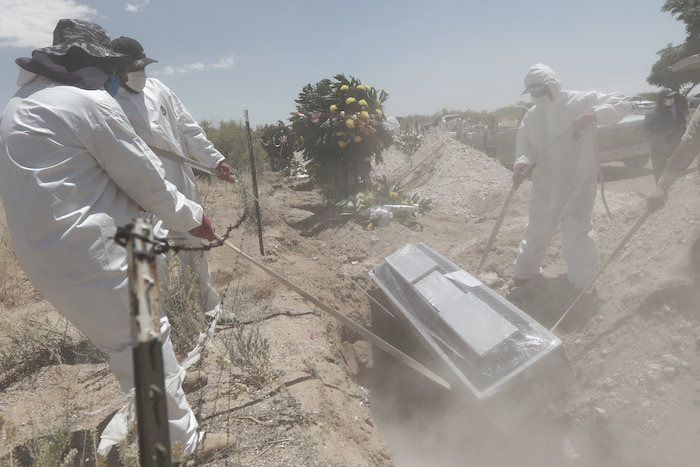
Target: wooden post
{"x":255,"y":184}
{"x":151,"y":411}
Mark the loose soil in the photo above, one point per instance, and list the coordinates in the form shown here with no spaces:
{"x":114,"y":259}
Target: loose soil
{"x":327,"y":397}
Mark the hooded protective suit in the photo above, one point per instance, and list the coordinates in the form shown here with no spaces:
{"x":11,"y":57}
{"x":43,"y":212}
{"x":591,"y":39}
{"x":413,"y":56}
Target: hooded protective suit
{"x":72,"y":170}
{"x":161,"y":120}
{"x":565,"y":173}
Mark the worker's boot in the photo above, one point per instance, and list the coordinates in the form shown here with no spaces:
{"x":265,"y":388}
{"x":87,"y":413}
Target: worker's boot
{"x":194,"y":379}
{"x":211,"y":444}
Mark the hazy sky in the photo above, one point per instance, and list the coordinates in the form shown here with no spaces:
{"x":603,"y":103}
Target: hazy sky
{"x":223,"y":56}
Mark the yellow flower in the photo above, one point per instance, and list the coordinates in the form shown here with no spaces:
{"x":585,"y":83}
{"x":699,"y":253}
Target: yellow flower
{"x":360,"y":87}
{"x":379,"y":112}
{"x":357,"y":139}
{"x":369,"y":197}
{"x":342,"y":144}
{"x":345,"y":87}
{"x":393,"y":194}
{"x":365,"y":114}
{"x":350,"y":123}
{"x":333,"y":108}
{"x":350,"y":100}
{"x":363,"y":103}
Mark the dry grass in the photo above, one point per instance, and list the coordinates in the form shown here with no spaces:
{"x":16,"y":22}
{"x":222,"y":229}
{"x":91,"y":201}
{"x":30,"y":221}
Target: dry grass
{"x":183,"y":304}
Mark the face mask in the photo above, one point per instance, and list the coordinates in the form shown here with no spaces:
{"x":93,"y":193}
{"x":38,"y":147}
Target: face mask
{"x":136,"y":80}
{"x":541,"y":101}
{"x":112,"y":84}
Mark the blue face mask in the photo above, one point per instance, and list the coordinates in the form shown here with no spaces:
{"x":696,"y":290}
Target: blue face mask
{"x":112,"y":84}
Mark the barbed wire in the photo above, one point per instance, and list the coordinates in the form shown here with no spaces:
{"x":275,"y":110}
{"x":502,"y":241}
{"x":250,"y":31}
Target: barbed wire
{"x":165,"y":244}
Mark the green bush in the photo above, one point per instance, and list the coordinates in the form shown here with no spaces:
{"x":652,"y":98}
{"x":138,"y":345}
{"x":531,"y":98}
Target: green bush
{"x":277,"y":144}
{"x":338,"y":126}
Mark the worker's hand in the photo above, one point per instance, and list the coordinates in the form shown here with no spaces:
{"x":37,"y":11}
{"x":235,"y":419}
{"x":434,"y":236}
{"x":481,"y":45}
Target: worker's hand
{"x":657,"y":200}
{"x":520,"y":171}
{"x":585,"y":121}
{"x":205,"y":230}
{"x":225,"y":172}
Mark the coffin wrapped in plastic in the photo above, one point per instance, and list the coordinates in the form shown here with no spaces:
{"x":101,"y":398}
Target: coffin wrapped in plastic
{"x":506,"y":361}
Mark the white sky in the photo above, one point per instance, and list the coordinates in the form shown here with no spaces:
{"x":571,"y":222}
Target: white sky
{"x":223,"y":56}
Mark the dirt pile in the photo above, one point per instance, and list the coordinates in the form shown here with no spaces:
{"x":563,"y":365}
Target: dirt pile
{"x":455,"y":176}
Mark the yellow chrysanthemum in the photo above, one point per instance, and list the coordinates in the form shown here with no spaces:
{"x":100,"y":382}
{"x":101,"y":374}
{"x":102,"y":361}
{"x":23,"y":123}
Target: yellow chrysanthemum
{"x":357,"y":139}
{"x":379,"y":112}
{"x":361,"y":87}
{"x":365,"y":114}
{"x":342,"y":144}
{"x":350,"y":100}
{"x":333,"y":108}
{"x":345,"y":87}
{"x":363,"y":103}
{"x":350,"y":123}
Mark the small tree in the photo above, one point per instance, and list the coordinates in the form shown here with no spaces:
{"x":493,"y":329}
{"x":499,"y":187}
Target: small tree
{"x":338,"y":126}
{"x":276,"y":141}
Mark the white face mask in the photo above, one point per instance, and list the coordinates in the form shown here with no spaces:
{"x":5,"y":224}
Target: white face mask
{"x":136,"y":80}
{"x":542,"y":101}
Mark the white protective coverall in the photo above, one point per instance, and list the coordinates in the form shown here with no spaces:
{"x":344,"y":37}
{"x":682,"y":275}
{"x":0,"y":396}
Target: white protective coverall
{"x":72,"y":170}
{"x":161,"y":120}
{"x":564,"y":180}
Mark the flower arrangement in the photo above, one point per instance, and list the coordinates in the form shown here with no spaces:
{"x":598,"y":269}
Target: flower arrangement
{"x":383,"y":193}
{"x":339,"y":127}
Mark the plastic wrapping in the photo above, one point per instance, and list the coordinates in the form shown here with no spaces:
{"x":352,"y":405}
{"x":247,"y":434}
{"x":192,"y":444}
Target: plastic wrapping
{"x":507,"y":362}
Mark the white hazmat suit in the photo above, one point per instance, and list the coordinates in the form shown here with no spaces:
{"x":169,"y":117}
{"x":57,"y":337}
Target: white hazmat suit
{"x":565,"y":174}
{"x":72,"y":170}
{"x":161,"y":120}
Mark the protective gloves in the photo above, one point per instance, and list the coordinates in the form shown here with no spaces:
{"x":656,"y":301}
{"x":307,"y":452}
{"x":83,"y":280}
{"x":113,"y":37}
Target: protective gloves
{"x":585,"y":121}
{"x":205,"y":230}
{"x":520,"y":171}
{"x":225,"y":172}
{"x":658,"y":199}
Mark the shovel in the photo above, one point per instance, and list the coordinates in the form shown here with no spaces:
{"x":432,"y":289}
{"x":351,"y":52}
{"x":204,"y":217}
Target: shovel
{"x":497,"y":227}
{"x":640,"y":220}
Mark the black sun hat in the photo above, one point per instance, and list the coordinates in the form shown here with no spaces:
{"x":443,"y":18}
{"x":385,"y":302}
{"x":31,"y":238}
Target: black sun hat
{"x":89,"y":37}
{"x":133,"y":49}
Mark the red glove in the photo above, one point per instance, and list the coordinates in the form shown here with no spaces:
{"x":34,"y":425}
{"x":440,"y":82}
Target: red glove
{"x":585,"y":121}
{"x":520,"y":174}
{"x":205,"y":230}
{"x":225,"y":172}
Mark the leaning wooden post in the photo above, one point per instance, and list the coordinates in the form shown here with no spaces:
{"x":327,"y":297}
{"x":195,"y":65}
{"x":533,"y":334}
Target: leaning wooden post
{"x":151,"y":411}
{"x":255,"y":183}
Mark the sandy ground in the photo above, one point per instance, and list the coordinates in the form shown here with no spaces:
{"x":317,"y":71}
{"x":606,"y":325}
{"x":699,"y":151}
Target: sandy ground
{"x":330,"y":399}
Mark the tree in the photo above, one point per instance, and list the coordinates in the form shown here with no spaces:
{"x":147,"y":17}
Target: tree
{"x":687,"y":11}
{"x":231,"y":139}
{"x":276,"y":141}
{"x":339,"y":127}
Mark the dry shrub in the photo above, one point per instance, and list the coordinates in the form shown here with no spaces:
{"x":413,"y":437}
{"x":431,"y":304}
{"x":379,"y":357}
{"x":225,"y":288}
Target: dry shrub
{"x":12,"y":276}
{"x":183,"y":304}
{"x":250,"y":352}
{"x":33,"y":344}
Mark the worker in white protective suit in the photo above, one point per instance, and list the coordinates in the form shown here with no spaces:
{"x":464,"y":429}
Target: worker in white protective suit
{"x":72,"y":170}
{"x":684,"y":155}
{"x":161,"y":120}
{"x":557,"y":142}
